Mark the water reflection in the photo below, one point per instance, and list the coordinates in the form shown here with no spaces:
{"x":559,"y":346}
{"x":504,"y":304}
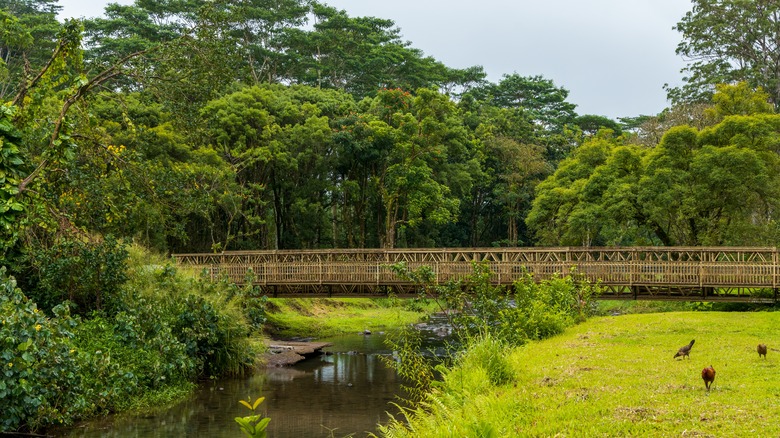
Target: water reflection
{"x":348,"y":391}
{"x":345,"y":392}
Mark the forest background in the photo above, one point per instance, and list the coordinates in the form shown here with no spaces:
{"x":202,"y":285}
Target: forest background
{"x":209,"y":126}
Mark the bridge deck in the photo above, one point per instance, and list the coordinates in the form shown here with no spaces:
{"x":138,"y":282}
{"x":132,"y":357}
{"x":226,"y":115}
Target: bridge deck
{"x":684,"y":273}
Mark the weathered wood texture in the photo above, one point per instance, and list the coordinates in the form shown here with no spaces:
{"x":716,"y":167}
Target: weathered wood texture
{"x":687,"y":273}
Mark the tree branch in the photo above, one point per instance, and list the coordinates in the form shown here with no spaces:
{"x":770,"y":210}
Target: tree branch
{"x":100,"y":78}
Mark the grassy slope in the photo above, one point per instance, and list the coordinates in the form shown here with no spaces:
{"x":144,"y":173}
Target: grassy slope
{"x":321,"y":317}
{"x":615,"y":376}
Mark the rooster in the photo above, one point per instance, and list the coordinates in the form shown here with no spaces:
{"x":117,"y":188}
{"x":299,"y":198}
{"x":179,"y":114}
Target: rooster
{"x":708,"y":375}
{"x":685,"y":350}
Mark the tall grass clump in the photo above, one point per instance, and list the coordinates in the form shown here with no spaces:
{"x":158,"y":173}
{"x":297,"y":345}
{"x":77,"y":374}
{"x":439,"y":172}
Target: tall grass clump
{"x":489,"y":321}
{"x":476,"y":371}
{"x":206,"y":317}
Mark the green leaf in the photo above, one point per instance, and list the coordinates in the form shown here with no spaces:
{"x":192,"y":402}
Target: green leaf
{"x":24,"y":345}
{"x":257,"y":403}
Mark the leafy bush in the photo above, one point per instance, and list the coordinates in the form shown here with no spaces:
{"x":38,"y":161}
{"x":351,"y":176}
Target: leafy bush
{"x":101,"y":267}
{"x":41,"y":377}
{"x":527,"y":310}
{"x":203,"y":316}
{"x":126,"y":360}
{"x":165,"y":329}
{"x":547,"y":308}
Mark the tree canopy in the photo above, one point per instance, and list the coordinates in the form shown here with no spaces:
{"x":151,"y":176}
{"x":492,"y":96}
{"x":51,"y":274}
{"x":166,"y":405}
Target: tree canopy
{"x":729,"y":41}
{"x":210,"y":126}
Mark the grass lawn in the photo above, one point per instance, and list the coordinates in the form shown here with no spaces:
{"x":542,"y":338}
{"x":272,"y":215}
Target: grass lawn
{"x":325,"y":317}
{"x":615,"y":376}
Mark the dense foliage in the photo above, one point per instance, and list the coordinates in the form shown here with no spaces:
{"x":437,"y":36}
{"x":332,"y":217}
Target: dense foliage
{"x":487,"y":321}
{"x":716,"y":185}
{"x":164,"y":330}
{"x":205,"y":126}
{"x":729,"y":41}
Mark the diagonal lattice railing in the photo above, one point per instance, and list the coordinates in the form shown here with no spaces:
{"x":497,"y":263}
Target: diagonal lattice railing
{"x":625,"y":272}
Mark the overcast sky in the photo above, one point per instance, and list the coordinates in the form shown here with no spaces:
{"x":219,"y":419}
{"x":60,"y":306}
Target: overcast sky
{"x":614,"y":56}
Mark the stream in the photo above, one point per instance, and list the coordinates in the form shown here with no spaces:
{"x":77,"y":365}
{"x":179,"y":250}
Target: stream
{"x":345,"y":392}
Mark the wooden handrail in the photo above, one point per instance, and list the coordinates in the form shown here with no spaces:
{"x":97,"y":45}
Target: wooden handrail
{"x":619,"y":269}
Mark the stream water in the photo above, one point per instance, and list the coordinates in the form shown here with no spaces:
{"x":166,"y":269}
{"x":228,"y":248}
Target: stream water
{"x":345,"y":392}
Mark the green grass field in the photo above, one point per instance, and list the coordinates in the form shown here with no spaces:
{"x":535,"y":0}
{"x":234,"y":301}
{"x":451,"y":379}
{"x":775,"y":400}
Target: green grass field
{"x":615,"y":376}
{"x":324,"y":317}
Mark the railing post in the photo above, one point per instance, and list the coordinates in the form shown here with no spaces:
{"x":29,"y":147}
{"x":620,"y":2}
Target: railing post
{"x":701,"y":272}
{"x":774,"y":269}
{"x":632,"y":268}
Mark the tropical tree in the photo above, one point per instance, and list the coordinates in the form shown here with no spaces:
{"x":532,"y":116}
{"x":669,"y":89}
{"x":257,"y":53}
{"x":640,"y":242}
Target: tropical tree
{"x":28,"y":35}
{"x":420,"y":149}
{"x":541,"y":102}
{"x":714,"y":186}
{"x":729,"y":41}
{"x":278,"y":140}
{"x":362,"y":55}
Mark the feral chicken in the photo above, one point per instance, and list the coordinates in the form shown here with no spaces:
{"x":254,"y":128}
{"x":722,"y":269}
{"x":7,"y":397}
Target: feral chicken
{"x":761,"y":350}
{"x":708,"y":375}
{"x":685,"y":350}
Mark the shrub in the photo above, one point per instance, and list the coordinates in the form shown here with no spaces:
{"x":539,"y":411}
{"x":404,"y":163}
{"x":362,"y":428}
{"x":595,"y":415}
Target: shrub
{"x":164,"y":330}
{"x":101,"y":268}
{"x":128,"y":360}
{"x":41,"y":378}
{"x":203,"y":316}
{"x":547,"y":308}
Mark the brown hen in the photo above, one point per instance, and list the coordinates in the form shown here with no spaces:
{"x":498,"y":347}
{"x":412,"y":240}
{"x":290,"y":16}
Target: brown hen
{"x":708,"y":375}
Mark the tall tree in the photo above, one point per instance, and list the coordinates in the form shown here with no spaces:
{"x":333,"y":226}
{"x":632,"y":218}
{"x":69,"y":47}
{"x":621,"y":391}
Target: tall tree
{"x":361,"y":55}
{"x":545,"y":102}
{"x":542,"y":102}
{"x":278,"y":139}
{"x":417,"y":143}
{"x":728,"y":41}
{"x":28,"y":35}
{"x":714,"y":186}
{"x":262,"y":31}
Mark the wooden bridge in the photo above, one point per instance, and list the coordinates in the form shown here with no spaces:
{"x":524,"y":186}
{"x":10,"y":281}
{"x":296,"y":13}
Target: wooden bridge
{"x":652,"y":273}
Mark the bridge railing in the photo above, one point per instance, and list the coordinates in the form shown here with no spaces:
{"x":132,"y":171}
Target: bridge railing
{"x":646,"y":266}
